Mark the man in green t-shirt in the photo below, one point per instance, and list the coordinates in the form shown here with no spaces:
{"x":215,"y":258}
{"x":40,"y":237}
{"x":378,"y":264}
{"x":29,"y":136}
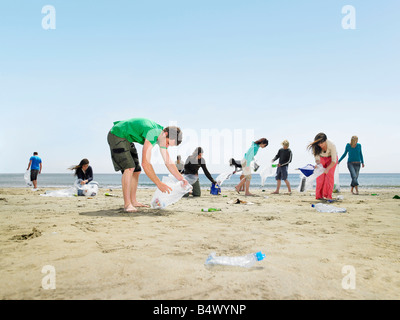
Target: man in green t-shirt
{"x":121,"y":139}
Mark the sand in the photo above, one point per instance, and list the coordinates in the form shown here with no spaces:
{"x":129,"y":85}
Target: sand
{"x":88,"y":248}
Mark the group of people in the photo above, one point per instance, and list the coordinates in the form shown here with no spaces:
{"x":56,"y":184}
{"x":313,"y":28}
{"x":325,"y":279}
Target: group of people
{"x":124,"y":134}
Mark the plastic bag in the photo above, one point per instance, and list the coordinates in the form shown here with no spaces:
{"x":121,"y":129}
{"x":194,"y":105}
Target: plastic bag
{"x":266,"y":172}
{"x":336,"y":186}
{"x":223,"y":176}
{"x":162,"y":200}
{"x":306,"y":182}
{"x":60,"y":193}
{"x":27,"y":178}
{"x":191,"y":178}
{"x":89,"y":189}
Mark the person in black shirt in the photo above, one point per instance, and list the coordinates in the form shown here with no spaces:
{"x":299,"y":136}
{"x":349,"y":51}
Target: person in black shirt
{"x":285,"y":157}
{"x":83,"y":172}
{"x":192,"y":166}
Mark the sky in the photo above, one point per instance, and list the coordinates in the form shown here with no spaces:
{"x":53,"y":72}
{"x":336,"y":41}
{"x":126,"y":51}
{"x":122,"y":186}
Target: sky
{"x":227,"y":72}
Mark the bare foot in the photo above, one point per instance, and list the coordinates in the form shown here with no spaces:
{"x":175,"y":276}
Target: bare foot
{"x":237,"y":190}
{"x":249,"y":195}
{"x":130,"y":208}
{"x":275,"y":192}
{"x":138,"y":204}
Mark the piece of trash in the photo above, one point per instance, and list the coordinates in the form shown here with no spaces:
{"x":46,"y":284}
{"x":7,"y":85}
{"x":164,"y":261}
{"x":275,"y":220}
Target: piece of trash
{"x":109,"y":194}
{"x":396,"y":197}
{"x":246,"y":261}
{"x":238,"y":201}
{"x":210,"y":209}
{"x":322,"y":207}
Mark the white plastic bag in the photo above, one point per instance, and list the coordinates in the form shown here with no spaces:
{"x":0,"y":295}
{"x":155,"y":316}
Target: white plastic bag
{"x":306,"y":183}
{"x":27,"y":178}
{"x":162,"y":200}
{"x":265,"y":172}
{"x":60,"y":193}
{"x":336,"y":186}
{"x":89,"y":189}
{"x":223,"y":176}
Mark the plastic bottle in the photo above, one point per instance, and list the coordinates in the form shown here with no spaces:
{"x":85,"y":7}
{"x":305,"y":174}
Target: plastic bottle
{"x":246,"y":261}
{"x":322,"y":207}
{"x":210,"y":209}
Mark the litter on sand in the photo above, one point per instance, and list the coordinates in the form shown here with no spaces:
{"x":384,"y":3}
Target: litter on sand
{"x":238,"y":201}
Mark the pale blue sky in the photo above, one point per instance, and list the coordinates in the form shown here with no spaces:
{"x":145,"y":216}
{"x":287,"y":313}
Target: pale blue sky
{"x":275,"y":69}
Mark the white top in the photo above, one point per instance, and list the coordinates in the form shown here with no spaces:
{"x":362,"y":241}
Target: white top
{"x":330,"y":152}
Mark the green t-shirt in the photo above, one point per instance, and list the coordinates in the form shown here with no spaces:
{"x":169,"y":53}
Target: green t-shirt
{"x":137,"y":130}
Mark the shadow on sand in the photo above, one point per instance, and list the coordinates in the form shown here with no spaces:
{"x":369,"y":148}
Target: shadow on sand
{"x":142,"y":212}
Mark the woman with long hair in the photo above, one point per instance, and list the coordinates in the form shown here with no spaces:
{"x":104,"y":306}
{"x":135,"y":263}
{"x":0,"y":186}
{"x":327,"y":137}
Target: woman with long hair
{"x":354,"y":161}
{"x":324,"y":152}
{"x":83,"y":171}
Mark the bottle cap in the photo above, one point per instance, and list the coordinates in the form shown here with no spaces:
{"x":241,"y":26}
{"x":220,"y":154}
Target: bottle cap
{"x":260,"y":256}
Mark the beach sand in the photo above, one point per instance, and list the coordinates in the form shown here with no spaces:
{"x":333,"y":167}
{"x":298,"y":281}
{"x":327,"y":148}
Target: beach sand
{"x":96,"y":251}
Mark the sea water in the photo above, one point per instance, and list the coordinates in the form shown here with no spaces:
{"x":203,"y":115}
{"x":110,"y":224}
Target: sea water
{"x":113,"y":180}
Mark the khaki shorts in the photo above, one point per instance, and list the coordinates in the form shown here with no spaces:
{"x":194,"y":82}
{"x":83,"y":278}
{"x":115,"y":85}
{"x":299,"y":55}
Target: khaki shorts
{"x":246,"y":170}
{"x":123,"y":153}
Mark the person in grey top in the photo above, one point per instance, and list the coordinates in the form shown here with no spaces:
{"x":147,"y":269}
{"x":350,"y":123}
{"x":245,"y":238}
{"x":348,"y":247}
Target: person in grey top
{"x":285,"y":157}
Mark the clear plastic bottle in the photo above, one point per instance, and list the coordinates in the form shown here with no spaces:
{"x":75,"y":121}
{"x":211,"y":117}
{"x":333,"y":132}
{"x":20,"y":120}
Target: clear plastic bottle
{"x":322,"y":207}
{"x":246,"y":261}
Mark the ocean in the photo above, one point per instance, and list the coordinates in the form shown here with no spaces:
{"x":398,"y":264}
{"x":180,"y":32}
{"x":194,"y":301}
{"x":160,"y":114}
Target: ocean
{"x":113,"y":180}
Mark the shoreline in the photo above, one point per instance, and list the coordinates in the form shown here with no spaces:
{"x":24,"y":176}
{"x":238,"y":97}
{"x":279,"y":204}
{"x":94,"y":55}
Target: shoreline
{"x":100,"y":252}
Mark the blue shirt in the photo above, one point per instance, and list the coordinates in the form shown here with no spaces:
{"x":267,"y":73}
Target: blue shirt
{"x":36,"y":161}
{"x":355,"y":154}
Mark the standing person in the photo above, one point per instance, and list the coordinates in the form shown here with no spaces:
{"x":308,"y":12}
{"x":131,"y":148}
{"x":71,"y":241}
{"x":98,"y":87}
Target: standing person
{"x":35,"y":163}
{"x":148,"y":133}
{"x":324,"y":152}
{"x":354,"y":161}
{"x":83,"y":171}
{"x":192,"y":166}
{"x":179,"y":164}
{"x":285,"y":157}
{"x":248,"y":157}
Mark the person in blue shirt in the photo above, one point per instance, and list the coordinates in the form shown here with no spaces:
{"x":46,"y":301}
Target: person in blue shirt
{"x":354,"y":161}
{"x":248,"y":158}
{"x":35,"y":163}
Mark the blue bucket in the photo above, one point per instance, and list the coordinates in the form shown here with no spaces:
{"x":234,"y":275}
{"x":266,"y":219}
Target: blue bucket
{"x":215,"y":190}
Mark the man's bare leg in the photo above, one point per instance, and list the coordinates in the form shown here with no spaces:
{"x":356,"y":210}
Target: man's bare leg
{"x":127,"y":182}
{"x":134,"y":186}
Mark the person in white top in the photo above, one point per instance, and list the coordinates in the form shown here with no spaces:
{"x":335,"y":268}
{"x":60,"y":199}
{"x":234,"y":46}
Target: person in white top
{"x":324,"y":152}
